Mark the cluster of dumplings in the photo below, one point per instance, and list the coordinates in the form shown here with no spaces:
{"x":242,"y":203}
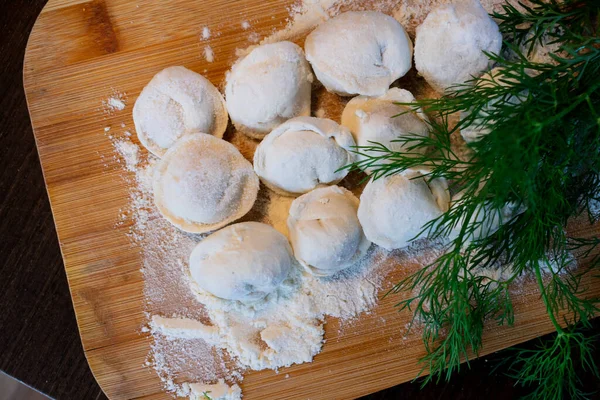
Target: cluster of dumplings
{"x":202,"y":183}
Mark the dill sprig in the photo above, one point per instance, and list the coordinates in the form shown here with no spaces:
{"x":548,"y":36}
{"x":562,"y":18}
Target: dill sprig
{"x":538,"y":157}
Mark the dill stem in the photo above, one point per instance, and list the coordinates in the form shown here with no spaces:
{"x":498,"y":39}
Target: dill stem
{"x":540,"y":282}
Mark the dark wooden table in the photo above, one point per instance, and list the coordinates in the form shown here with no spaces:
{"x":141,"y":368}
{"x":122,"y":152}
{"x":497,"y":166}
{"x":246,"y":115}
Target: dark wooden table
{"x":39,"y":341}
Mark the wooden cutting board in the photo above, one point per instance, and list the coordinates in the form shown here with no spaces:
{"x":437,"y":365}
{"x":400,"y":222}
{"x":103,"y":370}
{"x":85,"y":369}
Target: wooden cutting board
{"x":79,"y":53}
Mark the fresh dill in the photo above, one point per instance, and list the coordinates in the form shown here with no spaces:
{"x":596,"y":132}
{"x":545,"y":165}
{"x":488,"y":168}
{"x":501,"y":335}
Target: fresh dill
{"x":538,"y":156}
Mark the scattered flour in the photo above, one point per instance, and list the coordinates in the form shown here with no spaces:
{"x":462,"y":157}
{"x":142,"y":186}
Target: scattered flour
{"x":209,"y":55}
{"x":205,"y":33}
{"x":253,"y":37}
{"x":115,"y":102}
{"x":129,"y":152}
{"x":245,"y":25}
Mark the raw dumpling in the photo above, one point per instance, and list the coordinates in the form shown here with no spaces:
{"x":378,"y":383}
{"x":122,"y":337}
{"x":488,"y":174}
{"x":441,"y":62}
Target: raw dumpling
{"x":267,"y":87}
{"x":243,"y":262}
{"x":394,"y":209}
{"x":176,"y":102}
{"x":302,"y":154}
{"x":203,"y":183}
{"x":359,"y":53}
{"x":488,"y":219}
{"x":377,"y":119}
{"x":476,"y":130}
{"x":325,"y":232}
{"x":450,"y":43}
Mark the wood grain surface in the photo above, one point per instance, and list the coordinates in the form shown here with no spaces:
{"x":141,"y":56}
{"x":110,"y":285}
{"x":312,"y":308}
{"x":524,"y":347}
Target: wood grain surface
{"x":78,"y":54}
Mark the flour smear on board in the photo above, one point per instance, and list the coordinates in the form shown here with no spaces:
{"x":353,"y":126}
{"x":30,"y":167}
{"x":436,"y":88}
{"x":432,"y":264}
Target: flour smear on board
{"x":203,"y":343}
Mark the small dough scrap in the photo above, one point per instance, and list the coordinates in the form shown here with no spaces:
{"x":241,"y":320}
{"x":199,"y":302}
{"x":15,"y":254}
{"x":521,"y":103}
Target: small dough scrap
{"x":177,"y":102}
{"x":359,"y":52}
{"x":380,"y":120}
{"x":185,"y":328}
{"x":204,"y":183}
{"x":394,"y":209}
{"x":325,"y":232}
{"x":216,"y":391}
{"x":449,"y":45}
{"x":302,"y":154}
{"x":267,"y":87}
{"x":243,"y":262}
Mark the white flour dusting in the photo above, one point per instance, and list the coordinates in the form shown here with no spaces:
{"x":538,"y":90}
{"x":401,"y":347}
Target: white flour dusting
{"x":116,"y":102}
{"x":205,"y":33}
{"x":129,"y":152}
{"x":209,"y":55}
{"x":253,"y":37}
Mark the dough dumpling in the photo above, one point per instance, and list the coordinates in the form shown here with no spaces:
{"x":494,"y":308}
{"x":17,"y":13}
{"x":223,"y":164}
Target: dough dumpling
{"x":267,"y":87}
{"x":394,"y":209}
{"x":204,"y":183}
{"x":449,"y":45}
{"x":477,"y":130}
{"x":359,"y":53}
{"x":302,"y":154}
{"x":489,"y":220}
{"x":177,"y":102}
{"x":243,"y":262}
{"x":325,"y":232}
{"x":379,"y":120}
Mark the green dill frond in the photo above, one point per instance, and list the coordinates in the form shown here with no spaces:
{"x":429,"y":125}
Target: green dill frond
{"x":550,"y":369}
{"x":534,"y":165}
{"x":452,"y":301}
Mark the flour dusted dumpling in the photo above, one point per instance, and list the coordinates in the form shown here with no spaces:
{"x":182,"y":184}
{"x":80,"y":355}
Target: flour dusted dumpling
{"x":485,"y":221}
{"x":359,"y":53}
{"x":267,"y":87}
{"x":243,"y":262}
{"x":380,"y":120}
{"x":302,"y":154}
{"x":203,"y":183}
{"x":449,"y":45}
{"x":394,"y":209}
{"x":325,"y":232}
{"x":177,"y":102}
{"x":478,"y":127}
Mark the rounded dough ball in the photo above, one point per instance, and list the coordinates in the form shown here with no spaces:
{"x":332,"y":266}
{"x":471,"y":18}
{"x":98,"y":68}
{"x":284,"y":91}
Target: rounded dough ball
{"x":359,"y":53}
{"x":267,"y":87}
{"x":450,"y":43}
{"x":203,"y":183}
{"x":302,"y":154}
{"x":325,"y":232}
{"x":476,"y":129}
{"x":486,"y":220}
{"x":379,"y":120}
{"x":394,"y":209}
{"x":177,"y":102}
{"x":243,"y":262}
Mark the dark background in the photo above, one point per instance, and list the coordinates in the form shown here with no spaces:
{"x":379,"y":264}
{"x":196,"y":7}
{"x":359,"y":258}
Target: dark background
{"x":39,"y":341}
